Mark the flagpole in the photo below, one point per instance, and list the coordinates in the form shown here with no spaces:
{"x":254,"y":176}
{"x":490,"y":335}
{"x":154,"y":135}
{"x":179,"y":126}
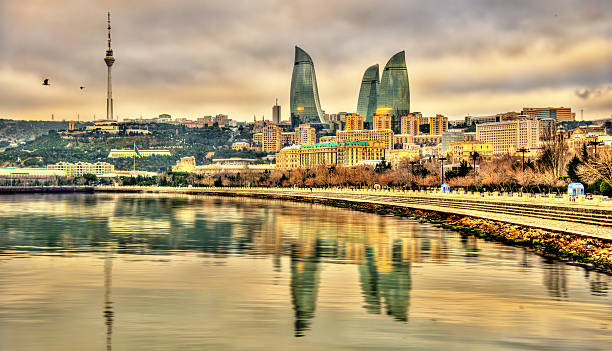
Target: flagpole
{"x":134,"y":159}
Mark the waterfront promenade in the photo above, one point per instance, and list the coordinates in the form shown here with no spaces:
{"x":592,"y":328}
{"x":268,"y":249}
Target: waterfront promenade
{"x":592,"y":218}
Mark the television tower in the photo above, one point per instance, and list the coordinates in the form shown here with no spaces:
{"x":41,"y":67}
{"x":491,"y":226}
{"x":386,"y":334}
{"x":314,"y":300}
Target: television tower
{"x":109,"y":59}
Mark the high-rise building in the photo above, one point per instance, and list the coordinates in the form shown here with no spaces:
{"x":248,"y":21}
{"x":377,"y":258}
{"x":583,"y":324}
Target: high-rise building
{"x":109,"y":59}
{"x":354,"y":121}
{"x":305,"y":134}
{"x":271,"y":138}
{"x":382,"y":119}
{"x":304,"y":94}
{"x":368,"y":93}
{"x":276,"y":113}
{"x":410,"y":124}
{"x":394,"y":90}
{"x":438,"y":125}
{"x":561,"y":114}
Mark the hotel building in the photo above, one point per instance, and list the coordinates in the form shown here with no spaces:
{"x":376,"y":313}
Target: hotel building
{"x":347,"y":153}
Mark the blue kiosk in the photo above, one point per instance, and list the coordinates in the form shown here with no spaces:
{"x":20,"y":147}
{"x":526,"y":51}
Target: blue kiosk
{"x":445,"y":188}
{"x":575,"y":189}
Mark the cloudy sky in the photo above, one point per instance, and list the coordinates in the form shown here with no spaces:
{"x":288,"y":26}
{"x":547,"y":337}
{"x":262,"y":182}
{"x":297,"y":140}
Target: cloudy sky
{"x":192,"y":58}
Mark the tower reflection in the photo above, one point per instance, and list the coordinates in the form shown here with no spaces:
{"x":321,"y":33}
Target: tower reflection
{"x":304,"y":282}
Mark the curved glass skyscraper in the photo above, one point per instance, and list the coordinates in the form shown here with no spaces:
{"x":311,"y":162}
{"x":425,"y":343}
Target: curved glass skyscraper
{"x":368,"y":94}
{"x":304,"y":95}
{"x":394,"y":90}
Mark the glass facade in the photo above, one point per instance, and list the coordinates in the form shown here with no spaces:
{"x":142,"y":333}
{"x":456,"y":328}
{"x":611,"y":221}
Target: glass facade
{"x":304,"y":94}
{"x":368,"y":94}
{"x":394,"y":90}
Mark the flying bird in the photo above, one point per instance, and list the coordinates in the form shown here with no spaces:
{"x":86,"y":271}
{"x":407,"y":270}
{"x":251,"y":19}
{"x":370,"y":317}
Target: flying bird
{"x":46,"y":81}
{"x":81,"y":87}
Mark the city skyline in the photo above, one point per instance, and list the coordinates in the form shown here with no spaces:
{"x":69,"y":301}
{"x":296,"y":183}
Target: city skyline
{"x":194,"y":59}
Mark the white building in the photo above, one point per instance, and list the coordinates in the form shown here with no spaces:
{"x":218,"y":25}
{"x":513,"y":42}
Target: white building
{"x":127,"y":153}
{"x":509,"y":136}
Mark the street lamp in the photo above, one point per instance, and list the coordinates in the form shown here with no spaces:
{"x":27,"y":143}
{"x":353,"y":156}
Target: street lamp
{"x":523,"y":151}
{"x":595,"y":144}
{"x":474,"y":156}
{"x":442,"y":162}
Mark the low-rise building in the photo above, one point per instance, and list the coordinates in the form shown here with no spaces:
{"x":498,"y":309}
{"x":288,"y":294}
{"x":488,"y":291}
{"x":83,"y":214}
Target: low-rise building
{"x":410,"y":154}
{"x":127,"y":153}
{"x":80,"y":168}
{"x":185,"y":164}
{"x":240,"y":145}
{"x":463,"y":150}
{"x":15,"y":172}
{"x":428,"y":139}
{"x":103,"y":128}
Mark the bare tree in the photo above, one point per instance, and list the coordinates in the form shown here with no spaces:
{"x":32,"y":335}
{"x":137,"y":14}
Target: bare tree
{"x":597,"y":167}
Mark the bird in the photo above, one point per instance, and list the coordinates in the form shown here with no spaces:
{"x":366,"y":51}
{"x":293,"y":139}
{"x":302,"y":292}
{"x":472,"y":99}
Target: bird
{"x":46,"y":81}
{"x":81,"y":87}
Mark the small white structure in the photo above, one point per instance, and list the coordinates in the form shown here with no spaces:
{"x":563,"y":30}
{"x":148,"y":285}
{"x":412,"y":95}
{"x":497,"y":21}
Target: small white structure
{"x":445,"y":188}
{"x":575,"y":189}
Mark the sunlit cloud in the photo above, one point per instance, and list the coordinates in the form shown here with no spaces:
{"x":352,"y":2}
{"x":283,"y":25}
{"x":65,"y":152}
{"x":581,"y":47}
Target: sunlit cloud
{"x":191,"y":58}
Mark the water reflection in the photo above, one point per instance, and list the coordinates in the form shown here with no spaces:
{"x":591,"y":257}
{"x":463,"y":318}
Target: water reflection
{"x":383,"y":252}
{"x":108,"y":303}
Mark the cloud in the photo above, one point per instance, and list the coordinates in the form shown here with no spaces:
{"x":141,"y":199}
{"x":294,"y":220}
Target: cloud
{"x":189,"y":57}
{"x":591,"y":93}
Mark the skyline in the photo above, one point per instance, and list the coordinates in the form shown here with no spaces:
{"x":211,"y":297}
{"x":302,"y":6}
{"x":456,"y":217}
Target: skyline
{"x":196,"y":59}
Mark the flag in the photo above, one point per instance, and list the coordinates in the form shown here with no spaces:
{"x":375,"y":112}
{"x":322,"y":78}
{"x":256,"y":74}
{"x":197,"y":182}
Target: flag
{"x":137,"y":152}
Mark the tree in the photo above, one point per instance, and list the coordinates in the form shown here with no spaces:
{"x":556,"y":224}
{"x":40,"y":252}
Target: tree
{"x":597,"y":167}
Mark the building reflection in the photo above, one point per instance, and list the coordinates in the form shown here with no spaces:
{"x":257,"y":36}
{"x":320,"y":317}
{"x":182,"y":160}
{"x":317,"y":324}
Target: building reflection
{"x":555,"y":278}
{"x":305,"y":275}
{"x":386,"y":284}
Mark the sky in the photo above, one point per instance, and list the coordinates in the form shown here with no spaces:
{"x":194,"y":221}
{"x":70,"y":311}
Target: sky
{"x":192,"y":58}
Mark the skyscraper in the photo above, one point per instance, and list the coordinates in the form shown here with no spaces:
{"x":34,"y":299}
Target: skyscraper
{"x":368,"y":93}
{"x":304,"y":94}
{"x":276,"y":111}
{"x":109,"y":59}
{"x":394,"y":90}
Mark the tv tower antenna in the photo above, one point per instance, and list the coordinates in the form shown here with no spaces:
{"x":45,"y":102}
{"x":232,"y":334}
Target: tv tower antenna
{"x":109,"y":59}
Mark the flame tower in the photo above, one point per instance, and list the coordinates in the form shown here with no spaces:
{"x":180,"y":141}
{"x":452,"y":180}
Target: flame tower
{"x":109,"y":59}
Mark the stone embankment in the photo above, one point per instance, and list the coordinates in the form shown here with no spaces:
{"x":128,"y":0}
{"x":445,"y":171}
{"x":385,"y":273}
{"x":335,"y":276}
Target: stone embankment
{"x":578,"y":229}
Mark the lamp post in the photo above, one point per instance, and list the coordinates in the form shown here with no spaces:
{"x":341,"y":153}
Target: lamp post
{"x":412,"y":163}
{"x":523,"y":151}
{"x":442,"y":165}
{"x":474,"y":156}
{"x":595,"y":144}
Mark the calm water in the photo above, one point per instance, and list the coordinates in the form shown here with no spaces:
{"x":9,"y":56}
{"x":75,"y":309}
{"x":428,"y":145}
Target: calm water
{"x":146,"y":272}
